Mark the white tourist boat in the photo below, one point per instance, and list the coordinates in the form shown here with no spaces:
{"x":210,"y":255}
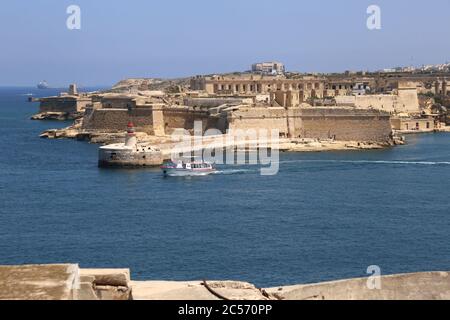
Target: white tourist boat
{"x":187,"y":167}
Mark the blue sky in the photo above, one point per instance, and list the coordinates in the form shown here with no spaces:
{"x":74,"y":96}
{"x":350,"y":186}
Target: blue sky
{"x":138,"y":38}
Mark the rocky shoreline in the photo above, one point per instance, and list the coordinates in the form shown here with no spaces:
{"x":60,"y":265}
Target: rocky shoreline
{"x":76,"y":132}
{"x":59,"y":116}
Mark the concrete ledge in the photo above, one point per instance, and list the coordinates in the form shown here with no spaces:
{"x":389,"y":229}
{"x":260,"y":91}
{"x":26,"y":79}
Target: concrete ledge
{"x":194,"y":290}
{"x":108,"y":277}
{"x":413,"y":286}
{"x":38,"y":282}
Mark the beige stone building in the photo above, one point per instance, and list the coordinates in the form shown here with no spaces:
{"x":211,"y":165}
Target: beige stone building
{"x":259,"y":84}
{"x":414,"y":124}
{"x":273,"y":67}
{"x":402,"y":100}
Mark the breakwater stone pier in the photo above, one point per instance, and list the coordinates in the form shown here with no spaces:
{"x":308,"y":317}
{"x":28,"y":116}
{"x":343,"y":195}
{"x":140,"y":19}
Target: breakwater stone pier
{"x":130,"y":153}
{"x":70,"y":282}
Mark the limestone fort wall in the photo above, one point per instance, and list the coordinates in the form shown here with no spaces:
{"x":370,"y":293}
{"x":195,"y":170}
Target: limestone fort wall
{"x":344,"y":124}
{"x":406,"y":101}
{"x":339,"y":123}
{"x":62,"y":104}
{"x":113,"y":120}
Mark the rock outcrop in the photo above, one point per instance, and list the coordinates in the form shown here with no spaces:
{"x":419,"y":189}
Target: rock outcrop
{"x":60,"y":116}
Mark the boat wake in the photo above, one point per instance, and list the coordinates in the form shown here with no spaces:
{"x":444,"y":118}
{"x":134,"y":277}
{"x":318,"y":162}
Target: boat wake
{"x":402,"y":162}
{"x":233,"y":171}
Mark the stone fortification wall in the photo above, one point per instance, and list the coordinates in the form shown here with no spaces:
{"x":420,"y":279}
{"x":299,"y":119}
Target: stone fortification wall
{"x":259,"y":118}
{"x":339,"y":123}
{"x":150,"y":120}
{"x":184,"y":118}
{"x":113,"y":120}
{"x":62,"y":104}
{"x":406,"y":101}
{"x":345,"y":124}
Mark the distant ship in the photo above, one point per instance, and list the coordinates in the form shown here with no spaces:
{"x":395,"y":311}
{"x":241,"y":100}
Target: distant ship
{"x":43,"y":85}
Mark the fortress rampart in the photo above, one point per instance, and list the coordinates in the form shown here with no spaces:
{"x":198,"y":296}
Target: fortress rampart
{"x":69,"y":104}
{"x":114,"y":120}
{"x":338,"y":123}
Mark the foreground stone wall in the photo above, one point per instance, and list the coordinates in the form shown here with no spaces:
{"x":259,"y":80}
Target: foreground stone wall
{"x":69,"y":282}
{"x":413,"y":286}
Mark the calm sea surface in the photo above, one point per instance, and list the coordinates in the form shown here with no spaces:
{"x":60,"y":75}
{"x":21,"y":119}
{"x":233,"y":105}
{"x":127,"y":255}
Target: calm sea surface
{"x":324,"y":216}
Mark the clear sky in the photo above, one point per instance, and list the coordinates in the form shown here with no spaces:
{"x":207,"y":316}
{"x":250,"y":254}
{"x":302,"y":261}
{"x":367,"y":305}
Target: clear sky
{"x":150,"y":38}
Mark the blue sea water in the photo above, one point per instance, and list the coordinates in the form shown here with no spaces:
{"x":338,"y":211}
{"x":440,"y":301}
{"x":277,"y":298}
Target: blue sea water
{"x":324,"y":216}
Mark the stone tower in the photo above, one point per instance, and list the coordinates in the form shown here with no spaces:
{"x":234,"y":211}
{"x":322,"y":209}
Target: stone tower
{"x":73,"y":91}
